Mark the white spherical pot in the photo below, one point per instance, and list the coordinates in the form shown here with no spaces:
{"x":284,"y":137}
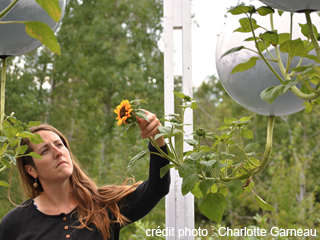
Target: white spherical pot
{"x":246,"y":87}
{"x":13,"y":38}
{"x":294,"y":5}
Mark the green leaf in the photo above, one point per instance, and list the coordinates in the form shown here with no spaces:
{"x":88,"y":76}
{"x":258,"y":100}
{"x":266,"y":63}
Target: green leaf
{"x":232,"y":50}
{"x":283,"y":37}
{"x":263,"y":204}
{"x":246,"y":133}
{"x":308,"y":109}
{"x":294,"y":48}
{"x":33,"y":154}
{"x":246,"y":26}
{"x":33,"y":137}
{"x":44,"y":34}
{"x":208,"y":163}
{"x":23,"y":149}
{"x":254,"y":161}
{"x":179,"y":94}
{"x":164,"y":170}
{"x":302,"y":68}
{"x":265,"y":10}
{"x":305,"y":30}
{"x":251,"y":147}
{"x":188,"y":166}
{"x":219,"y":165}
{"x":240,"y":10}
{"x":223,"y":191}
{"x":142,"y":114}
{"x":131,"y":134}
{"x":52,"y":7}
{"x":314,"y":58}
{"x":205,"y":186}
{"x":206,"y":148}
{"x":213,"y":206}
{"x":229,"y":120}
{"x":6,"y":162}
{"x":245,"y":65}
{"x":290,"y":83}
{"x":191,"y":142}
{"x":195,"y":156}
{"x":33,"y":124}
{"x":3,"y":138}
{"x":271,"y":37}
{"x":136,"y":158}
{"x":194,"y":106}
{"x":188,"y":182}
{"x":4,"y":184}
{"x":271,"y":93}
{"x":11,"y":157}
{"x":235,"y":187}
{"x":196,"y":191}
{"x":138,"y":101}
{"x":245,"y":119}
{"x":165,"y":130}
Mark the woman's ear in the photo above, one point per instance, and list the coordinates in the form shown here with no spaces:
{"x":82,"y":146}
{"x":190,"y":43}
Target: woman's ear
{"x":31,"y":171}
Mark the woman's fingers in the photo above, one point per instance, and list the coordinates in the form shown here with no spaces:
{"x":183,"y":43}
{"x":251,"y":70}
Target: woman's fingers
{"x":149,"y":129}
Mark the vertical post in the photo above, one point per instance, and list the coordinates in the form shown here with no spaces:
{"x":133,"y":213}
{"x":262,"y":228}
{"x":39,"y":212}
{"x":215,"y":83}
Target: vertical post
{"x":179,"y":209}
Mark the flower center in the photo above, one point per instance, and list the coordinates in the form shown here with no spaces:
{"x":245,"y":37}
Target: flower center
{"x":123,"y":112}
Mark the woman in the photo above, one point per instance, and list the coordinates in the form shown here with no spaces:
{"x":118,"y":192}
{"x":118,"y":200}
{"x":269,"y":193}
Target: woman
{"x":65,"y":204}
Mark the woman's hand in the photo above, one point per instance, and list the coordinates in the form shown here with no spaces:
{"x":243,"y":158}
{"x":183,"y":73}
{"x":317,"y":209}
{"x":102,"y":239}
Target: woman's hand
{"x":150,"y":129}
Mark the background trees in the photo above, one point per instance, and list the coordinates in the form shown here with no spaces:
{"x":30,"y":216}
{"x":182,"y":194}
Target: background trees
{"x":109,"y":52}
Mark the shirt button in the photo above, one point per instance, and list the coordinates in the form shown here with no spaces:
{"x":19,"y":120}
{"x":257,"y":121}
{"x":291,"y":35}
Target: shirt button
{"x":68,"y":236}
{"x":64,"y":219}
{"x":66,"y":227}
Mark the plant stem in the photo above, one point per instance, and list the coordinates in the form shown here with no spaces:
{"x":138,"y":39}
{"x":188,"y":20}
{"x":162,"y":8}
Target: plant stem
{"x":173,"y":150}
{"x":312,"y":34}
{"x":289,"y":59}
{"x":163,"y":154}
{"x":243,"y":151}
{"x":266,"y":156}
{"x":268,"y":150}
{"x":2,"y":94}
{"x":8,"y":8}
{"x":260,"y":53}
{"x":3,"y":168}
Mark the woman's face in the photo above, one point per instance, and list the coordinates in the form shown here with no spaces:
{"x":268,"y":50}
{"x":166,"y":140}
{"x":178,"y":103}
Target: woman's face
{"x":56,"y":165}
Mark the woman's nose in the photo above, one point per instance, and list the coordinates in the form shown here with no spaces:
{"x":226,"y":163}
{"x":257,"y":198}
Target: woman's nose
{"x":57,"y":152}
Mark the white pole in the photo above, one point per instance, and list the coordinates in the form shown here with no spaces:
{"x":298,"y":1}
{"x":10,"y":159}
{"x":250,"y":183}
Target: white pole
{"x":179,"y":209}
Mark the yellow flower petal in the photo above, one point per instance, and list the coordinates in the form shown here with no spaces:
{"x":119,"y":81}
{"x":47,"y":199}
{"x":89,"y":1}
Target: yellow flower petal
{"x":123,"y":111}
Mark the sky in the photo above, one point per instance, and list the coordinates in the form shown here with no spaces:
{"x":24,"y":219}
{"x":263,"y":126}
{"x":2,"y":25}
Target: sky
{"x":209,"y":18}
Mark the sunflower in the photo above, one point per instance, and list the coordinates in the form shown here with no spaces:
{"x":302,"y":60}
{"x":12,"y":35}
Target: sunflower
{"x":123,"y":111}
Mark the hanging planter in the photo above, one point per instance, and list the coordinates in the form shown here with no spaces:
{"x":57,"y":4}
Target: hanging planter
{"x":294,"y":5}
{"x":246,"y":86}
{"x":14,"y":40}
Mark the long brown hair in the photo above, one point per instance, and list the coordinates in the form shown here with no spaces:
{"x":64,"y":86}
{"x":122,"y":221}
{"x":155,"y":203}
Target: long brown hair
{"x":94,"y":204}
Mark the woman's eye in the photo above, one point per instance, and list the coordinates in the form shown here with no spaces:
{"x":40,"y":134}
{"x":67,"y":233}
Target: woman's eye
{"x":44,"y":151}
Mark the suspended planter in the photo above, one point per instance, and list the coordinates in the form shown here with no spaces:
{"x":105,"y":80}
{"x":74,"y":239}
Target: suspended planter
{"x":294,"y":5}
{"x":14,"y":40}
{"x":246,"y":86}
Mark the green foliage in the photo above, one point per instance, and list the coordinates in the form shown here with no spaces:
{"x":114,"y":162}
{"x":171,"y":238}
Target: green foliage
{"x":289,"y":182}
{"x":284,"y":43}
{"x":39,"y":30}
{"x":12,"y":133}
{"x":208,"y":171}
